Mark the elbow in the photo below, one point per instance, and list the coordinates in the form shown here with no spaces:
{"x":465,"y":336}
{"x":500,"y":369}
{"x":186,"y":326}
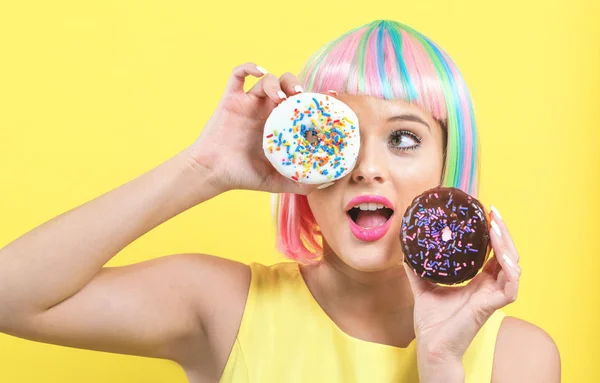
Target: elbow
{"x":4,"y":319}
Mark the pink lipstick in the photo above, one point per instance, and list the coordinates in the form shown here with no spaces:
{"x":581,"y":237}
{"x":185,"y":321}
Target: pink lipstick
{"x":377,"y":231}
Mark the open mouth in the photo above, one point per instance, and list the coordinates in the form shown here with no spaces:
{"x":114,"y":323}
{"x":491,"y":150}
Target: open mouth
{"x":370,"y":215}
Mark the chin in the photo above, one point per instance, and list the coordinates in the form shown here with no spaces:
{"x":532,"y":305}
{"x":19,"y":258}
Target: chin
{"x":369,"y":258}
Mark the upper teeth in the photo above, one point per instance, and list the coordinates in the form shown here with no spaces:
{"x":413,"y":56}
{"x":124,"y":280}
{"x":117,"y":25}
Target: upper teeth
{"x":370,"y":206}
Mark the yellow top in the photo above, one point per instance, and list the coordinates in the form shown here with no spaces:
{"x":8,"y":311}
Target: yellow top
{"x":285,"y":336}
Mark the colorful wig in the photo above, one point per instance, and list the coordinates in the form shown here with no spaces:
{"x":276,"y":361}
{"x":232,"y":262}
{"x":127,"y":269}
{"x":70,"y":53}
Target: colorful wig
{"x":387,"y":60}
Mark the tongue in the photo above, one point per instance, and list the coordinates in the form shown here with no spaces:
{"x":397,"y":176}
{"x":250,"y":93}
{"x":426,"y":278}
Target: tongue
{"x":370,"y":218}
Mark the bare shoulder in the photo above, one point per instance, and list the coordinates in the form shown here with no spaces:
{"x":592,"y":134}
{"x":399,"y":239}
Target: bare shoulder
{"x":221,"y":285}
{"x":525,"y":353}
{"x":221,"y":292}
{"x":210,"y":268}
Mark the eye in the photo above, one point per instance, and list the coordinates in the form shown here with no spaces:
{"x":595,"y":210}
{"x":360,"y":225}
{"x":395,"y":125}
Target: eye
{"x":404,"y":140}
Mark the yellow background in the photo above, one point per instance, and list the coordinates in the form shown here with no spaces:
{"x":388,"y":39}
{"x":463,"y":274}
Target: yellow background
{"x":93,"y":94}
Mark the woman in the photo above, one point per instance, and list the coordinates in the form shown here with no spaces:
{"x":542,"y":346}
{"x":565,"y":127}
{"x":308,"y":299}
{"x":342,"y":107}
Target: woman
{"x":347,"y":309}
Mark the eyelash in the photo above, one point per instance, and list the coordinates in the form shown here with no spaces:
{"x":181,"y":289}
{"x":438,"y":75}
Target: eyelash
{"x":401,"y":133}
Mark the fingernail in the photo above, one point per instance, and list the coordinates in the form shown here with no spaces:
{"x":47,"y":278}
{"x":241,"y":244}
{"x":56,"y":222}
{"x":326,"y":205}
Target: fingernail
{"x":281,"y":95}
{"x":496,"y":212}
{"x":496,"y":228}
{"x":332,"y":92}
{"x":261,"y":69}
{"x":508,"y":261}
{"x":325,"y":185}
{"x":298,"y":89}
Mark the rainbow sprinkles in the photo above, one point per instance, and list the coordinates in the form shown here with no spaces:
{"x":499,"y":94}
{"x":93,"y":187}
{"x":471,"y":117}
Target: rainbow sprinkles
{"x":312,"y":138}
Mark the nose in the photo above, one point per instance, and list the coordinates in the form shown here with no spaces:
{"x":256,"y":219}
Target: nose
{"x":371,"y":164}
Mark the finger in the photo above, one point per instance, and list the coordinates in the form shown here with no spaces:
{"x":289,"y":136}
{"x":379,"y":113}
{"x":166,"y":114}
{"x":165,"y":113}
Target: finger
{"x":491,"y":267}
{"x":299,"y":188}
{"x":268,"y":86}
{"x":291,"y":186}
{"x":417,"y":284}
{"x":239,"y":74}
{"x":330,"y":93}
{"x":507,"y":292}
{"x":502,"y":251}
{"x":504,"y":230}
{"x":501,"y":242}
{"x":512,"y":273}
{"x":290,"y":84}
{"x":490,"y":271}
{"x":501,"y":279}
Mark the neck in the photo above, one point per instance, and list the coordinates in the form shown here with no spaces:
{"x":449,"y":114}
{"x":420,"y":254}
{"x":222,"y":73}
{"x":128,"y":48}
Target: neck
{"x":359,"y":299}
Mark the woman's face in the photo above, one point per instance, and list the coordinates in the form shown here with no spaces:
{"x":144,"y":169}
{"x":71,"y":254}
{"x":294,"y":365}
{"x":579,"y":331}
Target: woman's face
{"x":401,"y":155}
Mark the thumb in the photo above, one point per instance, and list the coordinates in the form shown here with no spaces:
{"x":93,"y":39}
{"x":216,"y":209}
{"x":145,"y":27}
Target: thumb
{"x":290,"y":186}
{"x":417,"y":284}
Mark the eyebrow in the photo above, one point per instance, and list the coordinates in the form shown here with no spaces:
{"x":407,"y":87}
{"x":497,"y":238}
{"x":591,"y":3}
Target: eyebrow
{"x":409,"y":117}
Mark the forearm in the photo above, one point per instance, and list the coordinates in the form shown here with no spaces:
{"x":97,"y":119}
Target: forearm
{"x":58,"y":258}
{"x":439,"y":367}
{"x":443,"y":373}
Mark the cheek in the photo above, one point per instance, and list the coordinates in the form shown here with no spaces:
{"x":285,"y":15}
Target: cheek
{"x":420,"y":173}
{"x":321,"y":207}
{"x":416,"y":176}
{"x":328,"y":212}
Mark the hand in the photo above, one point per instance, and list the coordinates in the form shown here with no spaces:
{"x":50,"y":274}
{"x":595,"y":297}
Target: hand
{"x":230,"y":145}
{"x":447,"y":318}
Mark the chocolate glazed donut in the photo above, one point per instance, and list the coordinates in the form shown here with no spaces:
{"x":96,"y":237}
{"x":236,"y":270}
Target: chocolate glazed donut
{"x":445,"y":235}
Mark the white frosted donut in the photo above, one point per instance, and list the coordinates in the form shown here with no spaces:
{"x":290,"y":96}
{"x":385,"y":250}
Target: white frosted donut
{"x":312,"y":138}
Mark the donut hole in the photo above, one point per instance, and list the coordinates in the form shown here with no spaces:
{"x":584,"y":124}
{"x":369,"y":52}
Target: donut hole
{"x":312,"y":137}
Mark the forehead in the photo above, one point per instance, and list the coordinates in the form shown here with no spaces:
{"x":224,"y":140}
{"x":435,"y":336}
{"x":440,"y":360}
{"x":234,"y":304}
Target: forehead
{"x":373,"y":111}
{"x":370,"y":106}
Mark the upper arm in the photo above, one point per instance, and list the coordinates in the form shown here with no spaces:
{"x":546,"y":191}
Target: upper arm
{"x":525,"y":353}
{"x":156,"y":308}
